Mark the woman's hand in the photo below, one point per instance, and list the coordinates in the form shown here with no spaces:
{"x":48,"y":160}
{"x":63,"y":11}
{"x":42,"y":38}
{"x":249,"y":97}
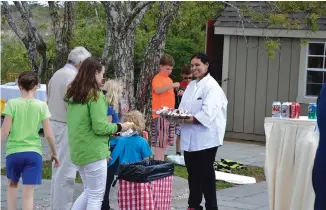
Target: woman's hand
{"x":126,"y":126}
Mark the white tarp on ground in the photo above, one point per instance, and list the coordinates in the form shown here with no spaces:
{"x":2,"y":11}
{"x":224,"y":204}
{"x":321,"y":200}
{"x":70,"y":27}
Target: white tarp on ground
{"x":222,"y":176}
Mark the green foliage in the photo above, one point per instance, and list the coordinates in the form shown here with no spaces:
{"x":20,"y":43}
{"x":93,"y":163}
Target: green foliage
{"x":186,"y":35}
{"x":13,"y":56}
{"x":90,"y":36}
{"x":181,"y":49}
{"x":311,"y":21}
{"x":90,"y":30}
{"x":304,"y":42}
{"x":271,"y":46}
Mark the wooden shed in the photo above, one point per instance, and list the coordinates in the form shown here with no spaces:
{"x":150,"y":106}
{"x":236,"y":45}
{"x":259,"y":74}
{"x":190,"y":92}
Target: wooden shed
{"x":252,"y":80}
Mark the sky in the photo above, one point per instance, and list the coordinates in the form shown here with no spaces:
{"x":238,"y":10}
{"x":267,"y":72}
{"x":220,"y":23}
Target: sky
{"x":40,"y":2}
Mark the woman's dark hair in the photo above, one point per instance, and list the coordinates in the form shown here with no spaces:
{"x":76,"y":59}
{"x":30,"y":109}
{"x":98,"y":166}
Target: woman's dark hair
{"x":27,"y":80}
{"x":204,"y":59}
{"x":85,"y":86}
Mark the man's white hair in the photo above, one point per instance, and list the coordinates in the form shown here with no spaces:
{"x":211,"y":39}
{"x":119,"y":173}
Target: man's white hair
{"x":78,"y":55}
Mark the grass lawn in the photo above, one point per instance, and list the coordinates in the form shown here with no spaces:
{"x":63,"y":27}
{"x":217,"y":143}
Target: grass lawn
{"x":180,"y":171}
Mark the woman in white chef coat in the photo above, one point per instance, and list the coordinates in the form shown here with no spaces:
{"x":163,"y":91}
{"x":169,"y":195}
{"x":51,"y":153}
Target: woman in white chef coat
{"x":203,"y":133}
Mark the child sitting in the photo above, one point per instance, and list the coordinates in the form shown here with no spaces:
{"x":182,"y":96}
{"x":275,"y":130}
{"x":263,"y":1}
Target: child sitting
{"x":23,"y":117}
{"x":129,"y":147}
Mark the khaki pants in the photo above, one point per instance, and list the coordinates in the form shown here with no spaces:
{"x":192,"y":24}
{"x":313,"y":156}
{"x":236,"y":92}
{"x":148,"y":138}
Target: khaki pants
{"x":63,"y":177}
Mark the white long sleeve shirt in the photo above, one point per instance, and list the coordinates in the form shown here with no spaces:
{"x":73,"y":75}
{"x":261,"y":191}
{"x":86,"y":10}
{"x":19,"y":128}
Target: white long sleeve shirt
{"x":206,"y":101}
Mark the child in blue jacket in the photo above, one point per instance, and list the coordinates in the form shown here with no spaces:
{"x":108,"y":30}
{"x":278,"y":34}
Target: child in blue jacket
{"x":129,"y":147}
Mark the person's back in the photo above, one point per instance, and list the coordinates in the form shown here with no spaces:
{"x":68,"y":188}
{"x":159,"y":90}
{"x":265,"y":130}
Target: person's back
{"x":23,"y":117}
{"x":63,"y":178}
{"x":27,"y":115}
{"x":130,"y":149}
{"x":88,"y":130}
{"x":56,"y":91}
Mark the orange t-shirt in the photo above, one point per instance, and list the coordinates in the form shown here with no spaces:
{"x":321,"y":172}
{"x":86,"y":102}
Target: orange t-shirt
{"x":163,"y":99}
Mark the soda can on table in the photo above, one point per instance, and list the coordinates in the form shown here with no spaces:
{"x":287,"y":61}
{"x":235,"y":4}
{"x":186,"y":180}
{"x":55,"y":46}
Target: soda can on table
{"x":293,"y":110}
{"x":312,"y":111}
{"x":298,"y":110}
{"x":285,"y":110}
{"x":276,"y":109}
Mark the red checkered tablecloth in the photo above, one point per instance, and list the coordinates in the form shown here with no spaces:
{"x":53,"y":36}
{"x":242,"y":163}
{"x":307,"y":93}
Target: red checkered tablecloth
{"x":155,"y":195}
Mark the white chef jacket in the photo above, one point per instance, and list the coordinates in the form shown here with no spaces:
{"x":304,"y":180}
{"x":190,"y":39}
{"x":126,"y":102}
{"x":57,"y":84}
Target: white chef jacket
{"x":206,"y":101}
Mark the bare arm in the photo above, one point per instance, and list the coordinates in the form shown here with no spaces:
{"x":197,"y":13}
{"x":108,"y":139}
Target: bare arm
{"x":6,"y":126}
{"x":110,"y":118}
{"x":164,"y":89}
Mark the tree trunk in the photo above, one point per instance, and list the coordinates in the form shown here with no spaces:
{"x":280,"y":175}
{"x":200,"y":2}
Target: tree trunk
{"x":122,"y":20}
{"x":63,"y":36}
{"x":153,"y":53}
{"x":106,"y":51}
{"x":32,"y":40}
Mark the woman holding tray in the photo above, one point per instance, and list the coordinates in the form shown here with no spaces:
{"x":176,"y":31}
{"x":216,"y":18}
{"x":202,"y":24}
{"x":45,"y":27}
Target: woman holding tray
{"x":202,"y":133}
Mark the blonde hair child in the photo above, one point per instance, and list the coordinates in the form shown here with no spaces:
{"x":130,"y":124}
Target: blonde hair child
{"x":113,"y":90}
{"x":128,"y":149}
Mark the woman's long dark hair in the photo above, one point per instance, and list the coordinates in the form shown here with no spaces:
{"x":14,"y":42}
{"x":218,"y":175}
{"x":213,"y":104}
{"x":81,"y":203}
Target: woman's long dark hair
{"x":85,"y":86}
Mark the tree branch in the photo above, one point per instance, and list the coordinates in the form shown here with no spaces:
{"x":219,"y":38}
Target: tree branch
{"x":69,"y":22}
{"x":141,"y":7}
{"x":243,"y":19}
{"x":107,"y":45}
{"x":23,"y":13}
{"x":55,"y":20}
{"x":11,"y":23}
{"x":153,"y":53}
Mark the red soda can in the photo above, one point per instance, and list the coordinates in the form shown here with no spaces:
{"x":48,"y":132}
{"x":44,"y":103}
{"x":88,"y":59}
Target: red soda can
{"x":297,"y":108}
{"x":293,"y":110}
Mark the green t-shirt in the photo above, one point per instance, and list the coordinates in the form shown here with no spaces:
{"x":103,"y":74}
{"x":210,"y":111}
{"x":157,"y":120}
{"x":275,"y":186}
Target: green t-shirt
{"x":27,"y":116}
{"x":89,"y":130}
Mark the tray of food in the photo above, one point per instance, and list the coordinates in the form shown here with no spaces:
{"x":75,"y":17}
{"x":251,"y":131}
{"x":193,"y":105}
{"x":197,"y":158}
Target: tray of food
{"x":173,"y":114}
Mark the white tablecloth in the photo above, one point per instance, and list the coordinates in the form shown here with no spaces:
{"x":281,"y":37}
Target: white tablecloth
{"x":291,"y":146}
{"x":9,"y":92}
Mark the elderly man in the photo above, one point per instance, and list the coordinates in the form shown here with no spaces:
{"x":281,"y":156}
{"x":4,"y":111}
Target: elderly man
{"x":63,"y":178}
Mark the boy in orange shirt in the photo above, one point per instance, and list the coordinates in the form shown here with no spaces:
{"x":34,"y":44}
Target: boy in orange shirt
{"x":162,"y":95}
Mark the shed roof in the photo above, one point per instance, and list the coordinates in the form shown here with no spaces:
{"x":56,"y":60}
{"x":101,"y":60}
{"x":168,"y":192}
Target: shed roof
{"x":229,"y":17}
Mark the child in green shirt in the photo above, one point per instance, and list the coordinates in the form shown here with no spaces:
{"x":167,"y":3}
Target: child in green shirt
{"x":23,"y":117}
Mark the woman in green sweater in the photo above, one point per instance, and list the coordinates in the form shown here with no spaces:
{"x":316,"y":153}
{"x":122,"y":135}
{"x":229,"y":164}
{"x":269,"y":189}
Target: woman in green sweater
{"x":88,"y":132}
